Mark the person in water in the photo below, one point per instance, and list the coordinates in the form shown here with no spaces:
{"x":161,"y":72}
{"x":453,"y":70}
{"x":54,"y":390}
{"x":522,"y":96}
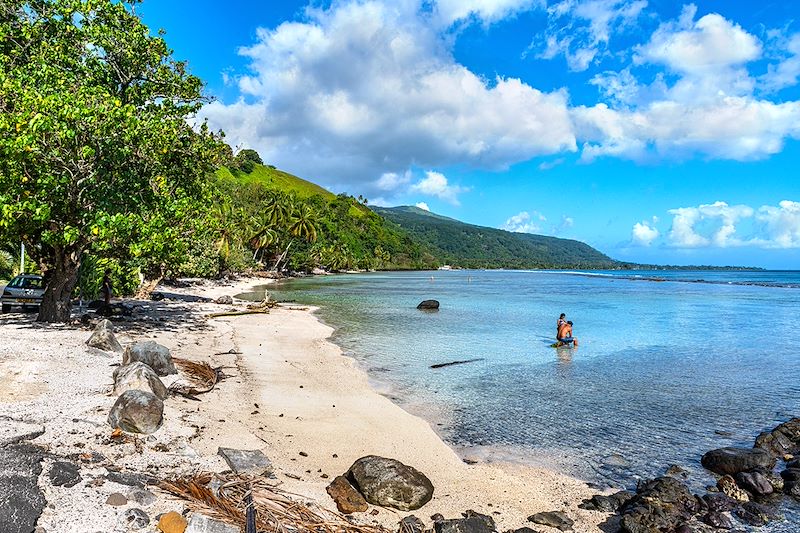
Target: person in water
{"x":565,"y":334}
{"x":562,"y":319}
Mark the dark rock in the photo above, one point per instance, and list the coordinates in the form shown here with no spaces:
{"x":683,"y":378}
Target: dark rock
{"x":348,"y":499}
{"x":153,"y":355}
{"x":718,"y":520}
{"x":138,"y":376}
{"x":21,"y":499}
{"x":793,"y":490}
{"x":137,"y":411}
{"x":660,"y":504}
{"x":523,"y":529}
{"x":794,"y":463}
{"x":411,"y":524}
{"x":428,"y":305}
{"x":719,"y":503}
{"x":156,"y":296}
{"x":135,"y":518}
{"x":791,"y":475}
{"x":754,"y":483}
{"x":131,"y":479}
{"x":116,"y":499}
{"x":63,"y":473}
{"x":390,"y":483}
{"x":677,"y":472}
{"x":471,"y":523}
{"x":607,"y":504}
{"x":103,"y":338}
{"x":755,"y":514}
{"x":252,"y":462}
{"x":781,"y":441}
{"x":224,"y":300}
{"x":437,"y":516}
{"x":734,"y":460}
{"x":555,"y":519}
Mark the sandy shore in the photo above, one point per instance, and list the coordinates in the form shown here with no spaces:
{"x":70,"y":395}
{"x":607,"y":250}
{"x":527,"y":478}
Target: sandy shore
{"x":291,"y":390}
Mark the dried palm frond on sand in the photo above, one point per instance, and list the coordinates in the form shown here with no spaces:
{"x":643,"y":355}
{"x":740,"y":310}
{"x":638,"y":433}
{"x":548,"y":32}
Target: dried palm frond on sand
{"x":275,"y":509}
{"x":203,"y":377}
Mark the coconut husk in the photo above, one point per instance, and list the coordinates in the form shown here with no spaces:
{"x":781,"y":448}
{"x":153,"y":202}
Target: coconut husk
{"x":202,"y":378}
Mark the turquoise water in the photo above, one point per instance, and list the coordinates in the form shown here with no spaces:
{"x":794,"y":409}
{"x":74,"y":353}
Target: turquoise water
{"x":665,"y":371}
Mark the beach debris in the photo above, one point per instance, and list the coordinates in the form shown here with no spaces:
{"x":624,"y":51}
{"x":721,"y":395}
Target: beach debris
{"x":138,"y":376}
{"x":390,"y":483}
{"x":172,"y":522}
{"x":233,"y":351}
{"x":411,"y":524}
{"x":472,"y":522}
{"x":103,"y":337}
{"x":252,"y":462}
{"x":152,"y":354}
{"x":224,"y":300}
{"x":137,"y":411}
{"x":21,"y":499}
{"x":64,"y":474}
{"x":203,"y":378}
{"x":556,"y":519}
{"x":135,"y":518}
{"x":660,"y":504}
{"x":199,"y":523}
{"x":348,"y":500}
{"x":116,"y":499}
{"x":731,"y":461}
{"x":261,"y":307}
{"x":275,"y":508}
{"x":442,"y":365}
{"x":428,"y":305}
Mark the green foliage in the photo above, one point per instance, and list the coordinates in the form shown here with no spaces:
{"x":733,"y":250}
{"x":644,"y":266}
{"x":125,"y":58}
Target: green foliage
{"x":96,"y":150}
{"x":246,"y":161}
{"x":268,"y":177}
{"x":124,"y":276}
{"x":465,"y":245}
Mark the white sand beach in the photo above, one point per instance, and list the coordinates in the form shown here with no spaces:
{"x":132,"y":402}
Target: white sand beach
{"x":289,"y":390}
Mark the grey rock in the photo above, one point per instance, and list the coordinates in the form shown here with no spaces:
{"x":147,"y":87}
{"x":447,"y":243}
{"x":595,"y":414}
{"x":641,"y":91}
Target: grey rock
{"x":556,"y":519}
{"x":523,"y":529}
{"x":428,"y":305}
{"x":793,"y":490}
{"x":13,"y":431}
{"x":131,"y":479}
{"x":755,"y":514}
{"x":63,"y":473}
{"x":718,"y":520}
{"x":754,"y":483}
{"x":143,"y":497}
{"x":224,"y":300}
{"x":660,"y":504}
{"x":783,"y":440}
{"x":153,"y":355}
{"x":411,"y":524}
{"x":791,"y":475}
{"x":246,"y":461}
{"x":734,"y":460}
{"x":390,"y":483}
{"x":21,"y":500}
{"x":138,"y":376}
{"x":116,"y":499}
{"x":719,"y":503}
{"x":137,"y":411}
{"x":199,"y":523}
{"x":103,"y":337}
{"x":472,"y":522}
{"x":607,"y":504}
{"x":135,"y":518}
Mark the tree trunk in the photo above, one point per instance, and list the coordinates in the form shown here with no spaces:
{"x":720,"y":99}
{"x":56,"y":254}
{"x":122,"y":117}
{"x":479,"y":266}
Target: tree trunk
{"x":61,"y":279}
{"x":278,"y":262}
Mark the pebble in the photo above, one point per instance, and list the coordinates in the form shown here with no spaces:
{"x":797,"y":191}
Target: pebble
{"x":116,"y":499}
{"x":142,"y":497}
{"x":136,"y":518}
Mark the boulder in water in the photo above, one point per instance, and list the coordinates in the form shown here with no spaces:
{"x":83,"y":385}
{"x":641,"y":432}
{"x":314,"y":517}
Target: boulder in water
{"x":731,"y":461}
{"x":661,"y":504}
{"x":138,"y":376}
{"x":429,"y":305}
{"x":153,"y":355}
{"x":754,"y":482}
{"x":137,"y":411}
{"x":390,"y":483}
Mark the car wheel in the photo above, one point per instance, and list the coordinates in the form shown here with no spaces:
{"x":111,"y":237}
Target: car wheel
{"x":6,"y":308}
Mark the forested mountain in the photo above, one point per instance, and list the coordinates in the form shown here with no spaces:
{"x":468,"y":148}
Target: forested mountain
{"x":465,"y":245}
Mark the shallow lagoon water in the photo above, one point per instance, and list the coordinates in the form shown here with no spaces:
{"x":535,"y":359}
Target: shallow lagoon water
{"x":665,"y":371}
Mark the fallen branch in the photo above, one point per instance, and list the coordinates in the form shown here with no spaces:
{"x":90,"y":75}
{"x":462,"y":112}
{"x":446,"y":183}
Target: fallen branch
{"x":442,"y":365}
{"x":237,"y":313}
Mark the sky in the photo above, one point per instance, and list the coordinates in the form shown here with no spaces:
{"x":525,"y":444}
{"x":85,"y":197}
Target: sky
{"x":656,"y":131}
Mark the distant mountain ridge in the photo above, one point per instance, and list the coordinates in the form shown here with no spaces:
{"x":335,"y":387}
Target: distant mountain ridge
{"x":466,"y":245}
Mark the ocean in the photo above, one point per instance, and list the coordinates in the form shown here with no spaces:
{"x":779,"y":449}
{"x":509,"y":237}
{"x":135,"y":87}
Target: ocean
{"x":670,"y":365}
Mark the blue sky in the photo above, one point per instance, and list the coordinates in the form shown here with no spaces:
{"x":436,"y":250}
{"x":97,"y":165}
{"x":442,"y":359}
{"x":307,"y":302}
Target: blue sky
{"x":656,"y":131}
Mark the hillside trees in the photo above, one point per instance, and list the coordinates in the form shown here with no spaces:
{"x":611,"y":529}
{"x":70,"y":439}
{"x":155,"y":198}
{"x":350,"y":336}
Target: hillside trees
{"x":95,"y":139}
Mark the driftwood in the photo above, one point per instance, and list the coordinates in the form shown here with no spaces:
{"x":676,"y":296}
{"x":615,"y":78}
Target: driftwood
{"x":237,"y":313}
{"x":441,"y":365}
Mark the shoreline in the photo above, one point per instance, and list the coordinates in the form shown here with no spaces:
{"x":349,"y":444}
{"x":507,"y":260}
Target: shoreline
{"x":279,"y":398}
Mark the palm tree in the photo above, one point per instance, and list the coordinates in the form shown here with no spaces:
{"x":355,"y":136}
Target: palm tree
{"x":303,"y":224}
{"x":278,"y":209}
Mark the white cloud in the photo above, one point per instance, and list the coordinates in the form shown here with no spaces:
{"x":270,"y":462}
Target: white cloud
{"x":581,"y":29}
{"x":644,"y":232}
{"x":787,"y":71}
{"x":391,"y":181}
{"x":549,"y":165}
{"x":487,"y":11}
{"x":368,"y":88}
{"x":522,"y":223}
{"x":717,"y":225}
{"x":423,"y":206}
{"x":435,"y":184}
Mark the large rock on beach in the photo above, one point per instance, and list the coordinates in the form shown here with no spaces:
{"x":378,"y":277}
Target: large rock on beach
{"x":472,"y":522}
{"x":251,"y":462}
{"x":138,"y":376}
{"x":103,"y":337}
{"x":429,"y":305}
{"x":607,"y":504}
{"x":390,"y":483}
{"x":782,"y":441}
{"x":661,"y":504}
{"x":21,"y":499}
{"x":731,"y":461}
{"x":153,"y":355}
{"x":556,"y":519}
{"x":137,"y":411}
{"x":348,"y":500}
{"x":755,"y":483}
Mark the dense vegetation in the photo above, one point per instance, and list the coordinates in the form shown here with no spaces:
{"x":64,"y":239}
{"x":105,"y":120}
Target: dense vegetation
{"x":464,"y":245}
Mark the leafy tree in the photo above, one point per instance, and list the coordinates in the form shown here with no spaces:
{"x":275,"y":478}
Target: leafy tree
{"x":246,"y":160}
{"x":95,"y":136}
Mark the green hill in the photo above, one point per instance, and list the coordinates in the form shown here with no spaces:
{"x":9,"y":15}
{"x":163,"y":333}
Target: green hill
{"x":465,"y":245}
{"x":272,"y":178}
